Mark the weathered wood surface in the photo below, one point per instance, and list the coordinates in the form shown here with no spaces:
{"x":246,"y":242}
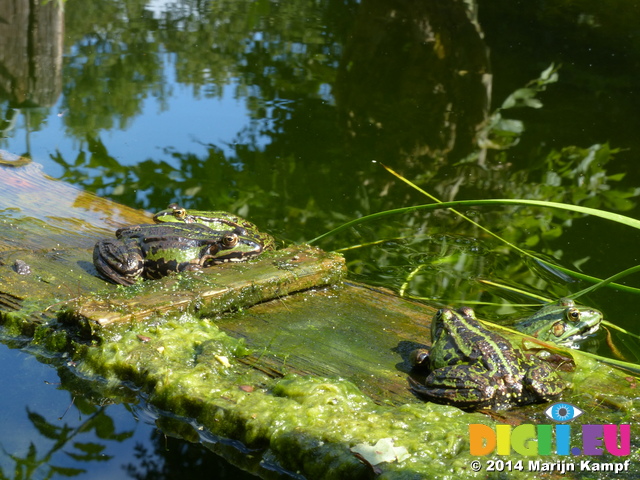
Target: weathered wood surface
{"x":222,"y":288}
{"x":350,"y":330}
{"x":51,"y":226}
{"x":365,"y":334}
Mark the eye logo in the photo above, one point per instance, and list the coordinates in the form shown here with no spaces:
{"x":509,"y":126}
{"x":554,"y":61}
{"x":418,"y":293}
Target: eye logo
{"x":563,"y":412}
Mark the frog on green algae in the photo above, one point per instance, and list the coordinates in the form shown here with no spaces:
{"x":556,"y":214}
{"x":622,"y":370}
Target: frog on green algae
{"x":471,"y":367}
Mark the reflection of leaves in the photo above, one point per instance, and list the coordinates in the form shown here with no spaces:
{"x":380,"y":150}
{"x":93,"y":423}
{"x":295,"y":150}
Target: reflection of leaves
{"x":45,"y":428}
{"x":526,"y":97}
{"x":66,"y":471}
{"x":91,"y":451}
{"x":444,"y":272}
{"x":99,"y":422}
{"x":582,"y":172}
{"x":115,"y":66}
{"x":24,"y":466}
{"x":269,"y":48}
{"x":500,"y":133}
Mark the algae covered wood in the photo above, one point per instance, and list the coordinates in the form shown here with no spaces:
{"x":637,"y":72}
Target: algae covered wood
{"x":353,"y":331}
{"x":218,"y":289}
{"x":301,"y":378}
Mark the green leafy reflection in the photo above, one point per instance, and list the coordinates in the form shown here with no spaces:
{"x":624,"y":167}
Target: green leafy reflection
{"x":68,"y":440}
{"x":326,"y":95}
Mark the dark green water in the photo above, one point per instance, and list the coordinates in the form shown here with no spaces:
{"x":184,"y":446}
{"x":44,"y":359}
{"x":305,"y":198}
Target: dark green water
{"x":277,"y":111}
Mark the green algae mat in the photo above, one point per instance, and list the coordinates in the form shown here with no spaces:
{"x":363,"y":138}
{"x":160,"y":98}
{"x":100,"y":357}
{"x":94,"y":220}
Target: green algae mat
{"x":279,"y":364}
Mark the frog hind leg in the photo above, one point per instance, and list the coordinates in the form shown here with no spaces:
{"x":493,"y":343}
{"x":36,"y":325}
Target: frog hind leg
{"x":542,"y":383}
{"x":463,"y":386}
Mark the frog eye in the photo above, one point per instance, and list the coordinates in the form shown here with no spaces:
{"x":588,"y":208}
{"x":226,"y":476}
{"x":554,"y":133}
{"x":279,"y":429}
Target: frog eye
{"x":467,"y":311}
{"x":178,"y":211}
{"x":573,"y":314}
{"x":230,"y":240}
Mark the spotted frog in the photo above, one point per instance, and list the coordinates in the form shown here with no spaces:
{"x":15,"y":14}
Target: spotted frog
{"x":562,"y":322}
{"x":215,"y":220}
{"x":153,"y":251}
{"x":472,"y":368}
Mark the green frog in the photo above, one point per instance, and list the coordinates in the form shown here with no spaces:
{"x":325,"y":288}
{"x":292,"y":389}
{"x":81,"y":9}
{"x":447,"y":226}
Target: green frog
{"x":471,"y":367}
{"x":154,"y":251}
{"x":215,"y":220}
{"x":562,"y":322}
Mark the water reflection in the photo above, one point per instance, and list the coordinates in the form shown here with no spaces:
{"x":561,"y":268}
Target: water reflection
{"x":310,"y":78}
{"x":80,"y":428}
{"x":31,"y":53}
{"x":98,"y":424}
{"x":414,"y":80}
{"x":275,"y":110}
{"x":167,"y":458}
{"x":31,"y":36}
{"x":60,"y":435}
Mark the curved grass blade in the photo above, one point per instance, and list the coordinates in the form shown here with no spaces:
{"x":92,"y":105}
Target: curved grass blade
{"x":606,"y":281}
{"x":608,"y":215}
{"x":515,"y":290}
{"x":615,"y":217}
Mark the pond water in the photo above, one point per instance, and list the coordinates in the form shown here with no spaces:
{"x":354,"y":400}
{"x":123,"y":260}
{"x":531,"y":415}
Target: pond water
{"x":284,"y":112}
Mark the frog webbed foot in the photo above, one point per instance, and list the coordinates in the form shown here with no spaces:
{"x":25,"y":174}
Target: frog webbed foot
{"x":117,"y":261}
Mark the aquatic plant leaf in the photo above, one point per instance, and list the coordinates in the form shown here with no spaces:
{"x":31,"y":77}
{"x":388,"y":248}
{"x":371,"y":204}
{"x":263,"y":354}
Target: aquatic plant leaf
{"x":91,"y":451}
{"x":104,"y":426}
{"x":523,"y":97}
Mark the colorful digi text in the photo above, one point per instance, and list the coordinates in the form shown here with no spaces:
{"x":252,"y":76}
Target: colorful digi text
{"x":554,"y":439}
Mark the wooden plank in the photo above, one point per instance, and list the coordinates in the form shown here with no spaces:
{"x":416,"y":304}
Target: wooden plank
{"x":216,"y":289}
{"x":352,"y":331}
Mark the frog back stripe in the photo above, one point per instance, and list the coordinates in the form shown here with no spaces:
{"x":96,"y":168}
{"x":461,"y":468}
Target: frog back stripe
{"x":491,"y":345}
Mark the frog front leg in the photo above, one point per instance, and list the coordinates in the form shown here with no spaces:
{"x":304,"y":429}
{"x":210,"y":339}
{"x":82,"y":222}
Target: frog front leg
{"x":464,"y":386}
{"x":119,"y":261}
